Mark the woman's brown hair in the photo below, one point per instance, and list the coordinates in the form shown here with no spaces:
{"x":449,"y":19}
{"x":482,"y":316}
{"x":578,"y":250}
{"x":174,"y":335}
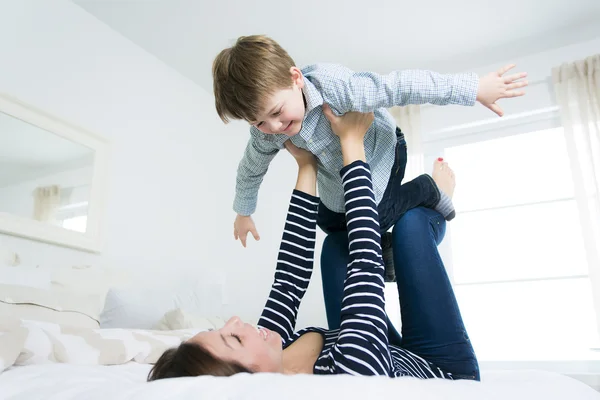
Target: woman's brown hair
{"x":192,"y":359}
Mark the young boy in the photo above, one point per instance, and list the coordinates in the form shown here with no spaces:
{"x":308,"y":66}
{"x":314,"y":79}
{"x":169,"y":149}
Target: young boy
{"x":257,"y":81}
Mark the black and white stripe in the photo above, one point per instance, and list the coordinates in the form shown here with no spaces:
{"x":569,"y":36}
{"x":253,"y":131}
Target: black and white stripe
{"x":294,"y":266}
{"x":360,"y":346}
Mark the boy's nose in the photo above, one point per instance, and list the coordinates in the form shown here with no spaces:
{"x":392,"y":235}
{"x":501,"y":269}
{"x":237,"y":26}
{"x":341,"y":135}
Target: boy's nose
{"x":275,"y":126}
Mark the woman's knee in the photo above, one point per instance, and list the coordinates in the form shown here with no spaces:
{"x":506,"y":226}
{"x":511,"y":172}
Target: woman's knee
{"x":418,"y":225}
{"x":414,"y":216}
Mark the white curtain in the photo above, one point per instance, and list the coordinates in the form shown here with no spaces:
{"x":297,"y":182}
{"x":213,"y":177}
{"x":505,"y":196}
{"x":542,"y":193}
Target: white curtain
{"x":577,"y":88}
{"x":408,"y":118}
{"x":46,"y":204}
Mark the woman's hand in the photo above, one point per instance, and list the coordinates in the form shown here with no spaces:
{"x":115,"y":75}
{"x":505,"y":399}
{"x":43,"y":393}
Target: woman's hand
{"x":303,"y":157}
{"x":350,"y":126}
{"x":351,"y":129}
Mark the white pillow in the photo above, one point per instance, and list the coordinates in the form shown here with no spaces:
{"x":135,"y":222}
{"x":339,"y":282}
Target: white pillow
{"x":179,"y":319}
{"x":58,"y":306}
{"x":11,"y":343}
{"x":131,"y":308}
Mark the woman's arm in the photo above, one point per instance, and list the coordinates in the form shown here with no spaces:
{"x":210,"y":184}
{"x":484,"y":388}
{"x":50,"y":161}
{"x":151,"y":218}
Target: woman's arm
{"x":307,"y":169}
{"x":296,"y":252}
{"x":362,"y":347}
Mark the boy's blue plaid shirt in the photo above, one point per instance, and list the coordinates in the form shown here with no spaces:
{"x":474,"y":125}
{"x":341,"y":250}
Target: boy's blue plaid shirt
{"x":344,"y":91}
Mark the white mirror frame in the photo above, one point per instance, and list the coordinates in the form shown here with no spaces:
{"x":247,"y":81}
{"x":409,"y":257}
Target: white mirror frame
{"x":92,"y":239}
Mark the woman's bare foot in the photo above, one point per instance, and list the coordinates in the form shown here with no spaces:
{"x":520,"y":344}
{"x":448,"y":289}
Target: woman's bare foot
{"x":444,"y":177}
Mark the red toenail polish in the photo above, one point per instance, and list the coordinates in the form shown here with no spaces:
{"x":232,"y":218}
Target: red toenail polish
{"x":440,"y":159}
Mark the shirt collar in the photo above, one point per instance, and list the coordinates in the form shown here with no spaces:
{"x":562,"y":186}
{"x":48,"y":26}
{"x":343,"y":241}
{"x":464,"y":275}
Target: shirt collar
{"x":312,"y":95}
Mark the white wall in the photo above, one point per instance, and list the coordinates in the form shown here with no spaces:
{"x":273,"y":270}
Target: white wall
{"x":172,"y":164}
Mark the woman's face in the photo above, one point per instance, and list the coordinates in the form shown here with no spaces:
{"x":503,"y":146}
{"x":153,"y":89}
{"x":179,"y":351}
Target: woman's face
{"x":257,"y":349}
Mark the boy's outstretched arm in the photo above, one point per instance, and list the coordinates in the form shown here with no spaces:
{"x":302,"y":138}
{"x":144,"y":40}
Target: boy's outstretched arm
{"x":250,"y":173}
{"x":368,"y":91}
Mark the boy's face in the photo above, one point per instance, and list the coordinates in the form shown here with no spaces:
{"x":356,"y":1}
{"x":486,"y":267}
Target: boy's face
{"x":283,"y":111}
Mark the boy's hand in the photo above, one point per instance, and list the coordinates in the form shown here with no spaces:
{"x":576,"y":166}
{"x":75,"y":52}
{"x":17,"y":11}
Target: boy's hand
{"x":494,"y":86}
{"x":242,"y":225}
{"x":350,"y":126}
{"x":303,"y":157}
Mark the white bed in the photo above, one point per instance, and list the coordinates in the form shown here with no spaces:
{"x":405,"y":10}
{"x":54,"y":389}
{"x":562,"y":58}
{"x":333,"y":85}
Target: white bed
{"x":47,"y":354}
{"x":66,"y":382}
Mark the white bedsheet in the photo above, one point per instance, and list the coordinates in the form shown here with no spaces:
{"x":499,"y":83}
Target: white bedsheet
{"x":66,"y":382}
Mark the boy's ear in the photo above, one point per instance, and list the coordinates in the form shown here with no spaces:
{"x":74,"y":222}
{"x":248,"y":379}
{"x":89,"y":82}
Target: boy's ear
{"x":297,"y":77}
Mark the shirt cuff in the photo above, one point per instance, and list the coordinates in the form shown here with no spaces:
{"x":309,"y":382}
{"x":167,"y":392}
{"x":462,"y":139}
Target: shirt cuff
{"x":244,"y":207}
{"x":464,"y":89}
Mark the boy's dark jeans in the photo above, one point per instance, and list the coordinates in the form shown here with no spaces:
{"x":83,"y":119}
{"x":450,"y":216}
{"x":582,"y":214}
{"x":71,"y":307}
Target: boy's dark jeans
{"x":397,"y":199}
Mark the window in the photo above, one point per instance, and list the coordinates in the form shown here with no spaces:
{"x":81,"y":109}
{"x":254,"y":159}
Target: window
{"x":515,"y":250}
{"x":73,"y":216}
{"x":78,"y":224}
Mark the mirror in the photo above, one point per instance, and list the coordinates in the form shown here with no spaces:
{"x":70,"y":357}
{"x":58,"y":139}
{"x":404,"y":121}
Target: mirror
{"x":43,"y":176}
{"x":51,"y":178}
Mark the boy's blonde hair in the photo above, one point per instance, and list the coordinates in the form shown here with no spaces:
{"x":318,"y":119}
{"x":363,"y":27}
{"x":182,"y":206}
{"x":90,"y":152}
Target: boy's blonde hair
{"x":245,"y":75}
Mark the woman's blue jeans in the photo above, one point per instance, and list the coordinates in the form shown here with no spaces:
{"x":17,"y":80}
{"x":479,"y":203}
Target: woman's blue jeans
{"x":432,"y":326}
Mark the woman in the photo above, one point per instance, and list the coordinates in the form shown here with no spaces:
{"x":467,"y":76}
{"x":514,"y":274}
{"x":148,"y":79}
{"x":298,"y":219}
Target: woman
{"x":361,"y":345}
